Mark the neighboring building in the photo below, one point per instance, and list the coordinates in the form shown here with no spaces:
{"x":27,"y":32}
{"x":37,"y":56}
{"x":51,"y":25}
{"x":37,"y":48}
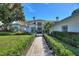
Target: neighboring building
{"x":29,"y":26}
{"x":69,"y":24}
{"x":19,"y":26}
{"x":36,"y":25}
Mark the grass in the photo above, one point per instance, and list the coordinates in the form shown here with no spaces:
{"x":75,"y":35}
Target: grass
{"x":14,"y":44}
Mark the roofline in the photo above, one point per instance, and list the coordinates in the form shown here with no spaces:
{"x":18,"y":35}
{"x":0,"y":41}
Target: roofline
{"x":67,"y":18}
{"x":36,"y":20}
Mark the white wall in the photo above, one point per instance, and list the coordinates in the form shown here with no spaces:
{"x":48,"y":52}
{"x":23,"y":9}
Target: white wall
{"x":72,"y":23}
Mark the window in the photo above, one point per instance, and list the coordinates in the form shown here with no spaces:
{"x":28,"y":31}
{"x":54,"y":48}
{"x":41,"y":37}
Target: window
{"x":39,"y":24}
{"x":65,"y":28}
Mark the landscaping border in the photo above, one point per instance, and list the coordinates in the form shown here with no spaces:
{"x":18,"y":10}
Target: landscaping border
{"x":57,"y":47}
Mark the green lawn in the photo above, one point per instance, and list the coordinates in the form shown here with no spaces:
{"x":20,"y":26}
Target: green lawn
{"x":14,"y":44}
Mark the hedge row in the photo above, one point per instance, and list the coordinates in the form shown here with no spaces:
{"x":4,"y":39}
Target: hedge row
{"x":12,"y":33}
{"x":14,"y":45}
{"x":57,"y":47}
{"x":69,"y":38}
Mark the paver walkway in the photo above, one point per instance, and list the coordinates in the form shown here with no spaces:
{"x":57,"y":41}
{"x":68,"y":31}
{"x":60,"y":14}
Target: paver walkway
{"x":39,"y":48}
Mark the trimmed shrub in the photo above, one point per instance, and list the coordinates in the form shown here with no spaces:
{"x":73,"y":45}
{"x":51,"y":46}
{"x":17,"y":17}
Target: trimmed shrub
{"x":13,"y":33}
{"x":19,"y":33}
{"x":5,"y":33}
{"x":69,"y":38}
{"x":57,"y":47}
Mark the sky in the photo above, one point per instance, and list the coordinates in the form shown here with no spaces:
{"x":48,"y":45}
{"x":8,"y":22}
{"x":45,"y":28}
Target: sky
{"x":48,"y":11}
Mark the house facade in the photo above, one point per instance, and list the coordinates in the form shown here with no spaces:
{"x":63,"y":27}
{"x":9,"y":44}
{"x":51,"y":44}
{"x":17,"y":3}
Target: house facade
{"x":35,"y":25}
{"x":19,"y":26}
{"x":29,"y":26}
{"x":69,"y":24}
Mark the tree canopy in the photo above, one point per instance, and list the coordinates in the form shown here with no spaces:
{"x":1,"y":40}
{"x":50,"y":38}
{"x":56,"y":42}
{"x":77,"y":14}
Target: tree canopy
{"x":75,"y":12}
{"x":47,"y":26}
{"x":10,"y":12}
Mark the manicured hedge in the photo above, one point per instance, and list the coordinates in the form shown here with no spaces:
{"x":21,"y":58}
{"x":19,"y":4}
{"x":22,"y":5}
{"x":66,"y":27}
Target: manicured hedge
{"x":5,"y":33}
{"x":57,"y":47}
{"x":13,"y":33}
{"x":69,"y":38}
{"x":14,"y":45}
{"x":19,"y":33}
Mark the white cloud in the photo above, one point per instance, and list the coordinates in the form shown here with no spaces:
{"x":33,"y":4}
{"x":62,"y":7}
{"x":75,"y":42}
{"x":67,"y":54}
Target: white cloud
{"x":46,"y":3}
{"x":29,"y":7}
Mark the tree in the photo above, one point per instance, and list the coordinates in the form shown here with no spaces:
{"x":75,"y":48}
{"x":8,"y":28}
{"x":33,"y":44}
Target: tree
{"x":19,"y":15}
{"x":47,"y":26}
{"x":10,"y":13}
{"x":57,"y":18}
{"x":75,"y":12}
{"x":5,"y":14}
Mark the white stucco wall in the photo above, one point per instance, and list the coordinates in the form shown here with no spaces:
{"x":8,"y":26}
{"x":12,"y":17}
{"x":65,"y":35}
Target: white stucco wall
{"x":72,"y":23}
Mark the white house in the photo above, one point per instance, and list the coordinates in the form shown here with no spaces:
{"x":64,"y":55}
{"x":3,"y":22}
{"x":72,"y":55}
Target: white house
{"x":19,"y":26}
{"x":35,"y":25}
{"x":69,"y":24}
